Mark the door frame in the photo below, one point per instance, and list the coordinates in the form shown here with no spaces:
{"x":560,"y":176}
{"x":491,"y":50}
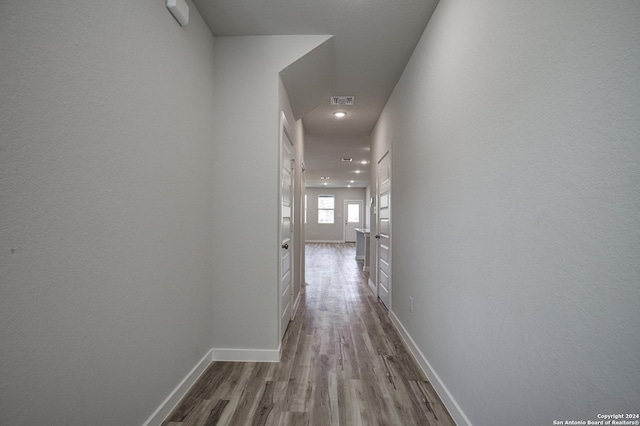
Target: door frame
{"x":301,"y":251}
{"x":377,"y":214}
{"x":285,"y":129}
{"x":345,"y":216}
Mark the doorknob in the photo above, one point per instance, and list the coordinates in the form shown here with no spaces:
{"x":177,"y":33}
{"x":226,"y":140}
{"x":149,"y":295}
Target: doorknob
{"x":285,"y":246}
{"x":377,"y":237}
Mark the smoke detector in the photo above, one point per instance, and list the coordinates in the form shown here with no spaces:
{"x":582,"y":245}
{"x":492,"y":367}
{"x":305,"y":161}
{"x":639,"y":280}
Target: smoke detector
{"x":342,"y":100}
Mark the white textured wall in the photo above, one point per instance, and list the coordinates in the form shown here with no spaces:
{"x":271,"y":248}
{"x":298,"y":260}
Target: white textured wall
{"x":105,"y":208}
{"x":245,"y":207}
{"x":516,"y":144}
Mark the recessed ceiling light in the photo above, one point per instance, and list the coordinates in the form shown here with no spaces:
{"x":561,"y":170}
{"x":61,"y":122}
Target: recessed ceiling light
{"x":340,"y":114}
{"x":352,"y":181}
{"x":364,"y":162}
{"x":348,"y":186}
{"x":357,"y":171}
{"x":325,"y":183}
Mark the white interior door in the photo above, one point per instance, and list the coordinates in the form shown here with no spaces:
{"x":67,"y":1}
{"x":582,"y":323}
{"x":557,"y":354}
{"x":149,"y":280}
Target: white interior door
{"x":383,"y":236}
{"x":352,"y":219}
{"x":286,"y":227}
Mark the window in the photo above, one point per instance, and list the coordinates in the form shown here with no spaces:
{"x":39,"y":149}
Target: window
{"x":326,"y":206}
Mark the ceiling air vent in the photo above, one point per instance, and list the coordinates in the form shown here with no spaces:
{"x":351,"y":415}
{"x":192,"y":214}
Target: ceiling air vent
{"x":342,"y":100}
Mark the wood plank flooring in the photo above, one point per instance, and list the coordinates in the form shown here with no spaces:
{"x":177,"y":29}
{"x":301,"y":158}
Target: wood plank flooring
{"x":343,"y":363}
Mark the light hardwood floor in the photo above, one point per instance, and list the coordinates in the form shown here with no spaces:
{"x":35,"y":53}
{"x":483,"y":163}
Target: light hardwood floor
{"x":343,"y":363}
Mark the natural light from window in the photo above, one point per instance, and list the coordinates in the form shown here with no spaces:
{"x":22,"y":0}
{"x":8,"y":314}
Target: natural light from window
{"x":326,"y":206}
{"x":353,"y":213}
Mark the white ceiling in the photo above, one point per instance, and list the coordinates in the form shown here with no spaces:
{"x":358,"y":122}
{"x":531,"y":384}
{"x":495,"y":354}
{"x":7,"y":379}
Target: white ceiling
{"x":372,"y":42}
{"x":323,"y":157}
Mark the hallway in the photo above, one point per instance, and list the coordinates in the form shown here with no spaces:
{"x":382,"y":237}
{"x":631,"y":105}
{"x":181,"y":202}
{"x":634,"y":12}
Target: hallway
{"x":342,"y":363}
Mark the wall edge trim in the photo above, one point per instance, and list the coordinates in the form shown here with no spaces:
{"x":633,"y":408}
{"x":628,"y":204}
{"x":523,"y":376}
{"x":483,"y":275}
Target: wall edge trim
{"x":372,"y":287}
{"x":296,"y":304}
{"x":445,"y":396}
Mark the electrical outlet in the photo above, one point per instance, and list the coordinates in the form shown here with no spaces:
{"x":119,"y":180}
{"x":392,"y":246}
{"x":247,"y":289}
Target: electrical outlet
{"x":410,"y":304}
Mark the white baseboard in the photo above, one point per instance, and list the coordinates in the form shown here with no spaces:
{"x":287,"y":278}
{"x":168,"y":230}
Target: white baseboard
{"x":325,"y":241}
{"x":179,"y":392}
{"x":237,"y":355}
{"x":247,"y":355}
{"x":452,"y":406}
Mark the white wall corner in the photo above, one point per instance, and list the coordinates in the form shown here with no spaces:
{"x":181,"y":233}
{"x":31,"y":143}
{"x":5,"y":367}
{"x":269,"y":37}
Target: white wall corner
{"x":171,"y":402}
{"x":447,"y":399}
{"x":372,"y":286}
{"x":296,"y":304}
